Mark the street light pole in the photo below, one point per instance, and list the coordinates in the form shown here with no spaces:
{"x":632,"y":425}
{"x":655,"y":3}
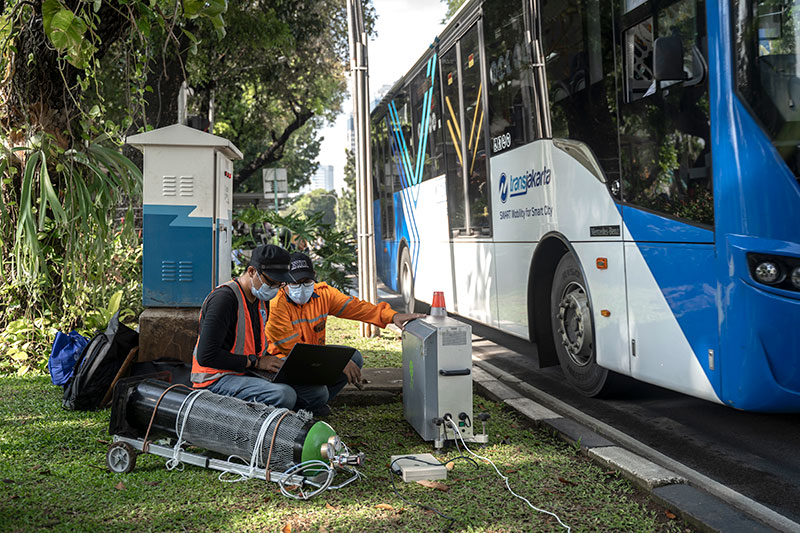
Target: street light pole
{"x":367,"y":286}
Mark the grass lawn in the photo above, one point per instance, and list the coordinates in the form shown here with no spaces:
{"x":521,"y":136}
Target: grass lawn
{"x":52,"y":476}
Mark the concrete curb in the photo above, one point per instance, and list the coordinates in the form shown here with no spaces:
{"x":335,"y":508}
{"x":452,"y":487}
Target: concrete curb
{"x":699,"y":500}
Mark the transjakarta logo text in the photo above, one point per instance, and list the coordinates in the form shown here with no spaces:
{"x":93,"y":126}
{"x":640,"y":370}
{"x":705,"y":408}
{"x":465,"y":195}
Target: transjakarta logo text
{"x":519,"y":185}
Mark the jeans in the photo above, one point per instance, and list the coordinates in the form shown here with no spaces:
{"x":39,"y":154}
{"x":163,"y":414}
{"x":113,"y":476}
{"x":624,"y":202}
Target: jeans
{"x":312,"y":397}
{"x":255,"y":389}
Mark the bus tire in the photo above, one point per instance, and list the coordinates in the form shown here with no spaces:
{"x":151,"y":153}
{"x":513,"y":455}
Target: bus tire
{"x":573,"y":330}
{"x":405,"y":281}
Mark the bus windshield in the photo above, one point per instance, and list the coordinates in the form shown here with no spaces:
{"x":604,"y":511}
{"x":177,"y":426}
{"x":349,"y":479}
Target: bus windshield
{"x":767,"y":44}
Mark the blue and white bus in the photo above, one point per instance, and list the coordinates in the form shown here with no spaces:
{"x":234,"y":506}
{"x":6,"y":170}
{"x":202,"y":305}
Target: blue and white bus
{"x":614,"y":180}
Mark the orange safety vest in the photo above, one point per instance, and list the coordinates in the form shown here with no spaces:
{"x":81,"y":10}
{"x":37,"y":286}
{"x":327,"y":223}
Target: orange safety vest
{"x":290,"y":323}
{"x":244,"y":344}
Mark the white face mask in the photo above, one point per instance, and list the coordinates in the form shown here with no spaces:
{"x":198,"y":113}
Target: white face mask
{"x":300,"y":293}
{"x":265,"y":292}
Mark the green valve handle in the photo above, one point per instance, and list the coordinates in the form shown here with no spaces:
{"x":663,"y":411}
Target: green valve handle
{"x":317,"y":436}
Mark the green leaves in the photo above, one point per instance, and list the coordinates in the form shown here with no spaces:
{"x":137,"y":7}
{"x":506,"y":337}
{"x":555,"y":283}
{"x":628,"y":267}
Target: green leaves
{"x":211,"y":9}
{"x":99,"y":318}
{"x":67,"y":33}
{"x":332,"y":251}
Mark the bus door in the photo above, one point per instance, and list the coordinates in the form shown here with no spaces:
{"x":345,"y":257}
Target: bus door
{"x":466,"y":164}
{"x":381,"y":181}
{"x":666,"y":188}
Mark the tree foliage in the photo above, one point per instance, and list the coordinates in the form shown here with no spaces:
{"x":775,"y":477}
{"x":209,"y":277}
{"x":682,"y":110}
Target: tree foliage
{"x":299,"y":159}
{"x":279,"y":72}
{"x":452,"y":7}
{"x":317,"y":201}
{"x":63,"y":175}
{"x":79,"y":76}
{"x":333,"y":252}
{"x":346,"y":220}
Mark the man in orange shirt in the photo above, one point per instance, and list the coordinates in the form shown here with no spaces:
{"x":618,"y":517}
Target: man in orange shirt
{"x":299,"y":313}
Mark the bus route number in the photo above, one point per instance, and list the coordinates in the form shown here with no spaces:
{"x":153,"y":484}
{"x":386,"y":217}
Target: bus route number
{"x":501,"y":142}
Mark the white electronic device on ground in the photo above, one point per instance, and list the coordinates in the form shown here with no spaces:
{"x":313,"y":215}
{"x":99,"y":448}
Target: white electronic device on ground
{"x":418,"y":467}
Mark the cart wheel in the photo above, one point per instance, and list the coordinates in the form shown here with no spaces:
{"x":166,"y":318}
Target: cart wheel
{"x":121,"y":458}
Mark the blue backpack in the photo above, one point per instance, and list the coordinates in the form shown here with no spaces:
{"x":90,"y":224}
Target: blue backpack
{"x":66,"y":351}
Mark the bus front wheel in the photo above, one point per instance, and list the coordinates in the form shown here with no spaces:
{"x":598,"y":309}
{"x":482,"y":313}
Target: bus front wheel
{"x":405,"y":278}
{"x":573,"y":330}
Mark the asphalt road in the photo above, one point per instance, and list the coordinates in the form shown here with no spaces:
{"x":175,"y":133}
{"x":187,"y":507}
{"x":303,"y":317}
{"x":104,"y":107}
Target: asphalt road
{"x":757,"y":455}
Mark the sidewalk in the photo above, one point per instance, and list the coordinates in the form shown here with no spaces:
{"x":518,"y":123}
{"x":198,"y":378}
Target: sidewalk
{"x":697,"y":499}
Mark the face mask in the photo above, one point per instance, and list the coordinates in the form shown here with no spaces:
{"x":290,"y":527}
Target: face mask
{"x":300,"y":294}
{"x":265,"y":292}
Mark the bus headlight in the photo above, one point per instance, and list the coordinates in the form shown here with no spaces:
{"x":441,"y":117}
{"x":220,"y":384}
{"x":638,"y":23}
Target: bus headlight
{"x":768,"y":272}
{"x":778,"y":271}
{"x":796,"y":277}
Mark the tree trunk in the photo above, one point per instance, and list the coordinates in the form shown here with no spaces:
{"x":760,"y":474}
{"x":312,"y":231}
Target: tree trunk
{"x":275,"y":150}
{"x":36,"y":97}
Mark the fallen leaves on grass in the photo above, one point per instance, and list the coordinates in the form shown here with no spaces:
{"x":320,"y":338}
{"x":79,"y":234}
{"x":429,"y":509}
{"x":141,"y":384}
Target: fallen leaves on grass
{"x":450,"y":466}
{"x":434,"y":485}
{"x":330,"y":507}
{"x":120,"y":486}
{"x":384,"y":506}
{"x":670,"y":515}
{"x":287,"y":528}
{"x":152,"y":483}
{"x":567,"y":482}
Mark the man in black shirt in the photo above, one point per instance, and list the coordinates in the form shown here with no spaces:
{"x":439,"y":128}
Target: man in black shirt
{"x":232,"y":337}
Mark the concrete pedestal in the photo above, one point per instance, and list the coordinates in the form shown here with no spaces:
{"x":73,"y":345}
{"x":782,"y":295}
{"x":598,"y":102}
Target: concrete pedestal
{"x":166,"y":332}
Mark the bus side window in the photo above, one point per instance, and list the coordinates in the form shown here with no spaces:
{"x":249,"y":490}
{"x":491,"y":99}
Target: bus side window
{"x":386,"y":179}
{"x":579,"y":57}
{"x":639,"y":81}
{"x":424,"y":113}
{"x":451,"y":124}
{"x":375,"y":147}
{"x":511,"y":108}
{"x":665,"y":130}
{"x":474,"y":147}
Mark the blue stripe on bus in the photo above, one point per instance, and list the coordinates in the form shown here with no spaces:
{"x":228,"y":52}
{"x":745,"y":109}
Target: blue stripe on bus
{"x":410,"y":170}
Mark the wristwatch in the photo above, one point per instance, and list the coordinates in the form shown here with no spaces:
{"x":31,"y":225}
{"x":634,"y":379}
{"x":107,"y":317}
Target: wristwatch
{"x":253,"y":358}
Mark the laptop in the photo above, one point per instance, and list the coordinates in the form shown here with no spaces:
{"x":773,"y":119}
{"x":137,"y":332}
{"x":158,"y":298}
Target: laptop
{"x":310,"y":364}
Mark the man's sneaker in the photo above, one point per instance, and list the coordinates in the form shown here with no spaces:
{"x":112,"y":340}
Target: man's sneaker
{"x":323,"y":411}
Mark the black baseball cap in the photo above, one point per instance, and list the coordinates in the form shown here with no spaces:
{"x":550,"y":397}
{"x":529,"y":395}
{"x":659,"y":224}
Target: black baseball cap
{"x":301,"y":267}
{"x":273,"y":261}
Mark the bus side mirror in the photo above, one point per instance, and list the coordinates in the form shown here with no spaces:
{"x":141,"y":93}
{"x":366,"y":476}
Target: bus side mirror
{"x":668,"y":59}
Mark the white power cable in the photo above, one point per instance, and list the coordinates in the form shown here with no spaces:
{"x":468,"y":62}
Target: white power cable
{"x":175,"y":461}
{"x":505,"y":478}
{"x":257,"y":454}
{"x":300,"y":467}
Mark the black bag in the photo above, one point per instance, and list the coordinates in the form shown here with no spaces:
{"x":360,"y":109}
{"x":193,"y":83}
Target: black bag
{"x":99,"y":362}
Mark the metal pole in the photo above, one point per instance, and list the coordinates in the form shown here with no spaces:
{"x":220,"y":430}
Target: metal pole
{"x":367,"y":287}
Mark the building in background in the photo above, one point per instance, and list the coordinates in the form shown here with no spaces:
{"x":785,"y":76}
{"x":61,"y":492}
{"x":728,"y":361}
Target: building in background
{"x":351,"y":131}
{"x":351,"y":134}
{"x":321,"y":179}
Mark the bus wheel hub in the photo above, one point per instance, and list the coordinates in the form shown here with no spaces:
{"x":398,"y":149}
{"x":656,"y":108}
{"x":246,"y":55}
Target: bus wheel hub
{"x":575,"y":324}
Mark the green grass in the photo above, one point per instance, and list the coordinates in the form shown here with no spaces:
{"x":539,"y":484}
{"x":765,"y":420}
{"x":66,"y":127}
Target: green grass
{"x":382,"y":351}
{"x":52,"y":476}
